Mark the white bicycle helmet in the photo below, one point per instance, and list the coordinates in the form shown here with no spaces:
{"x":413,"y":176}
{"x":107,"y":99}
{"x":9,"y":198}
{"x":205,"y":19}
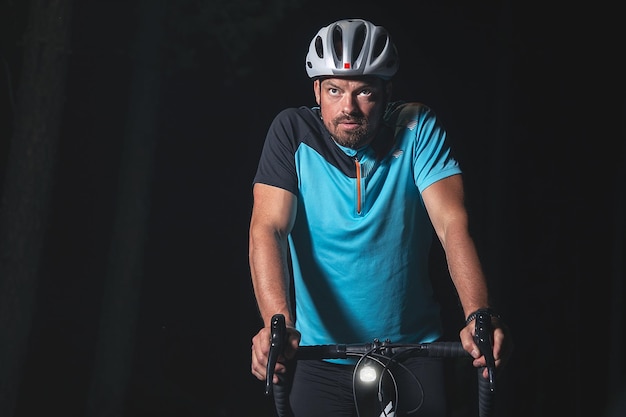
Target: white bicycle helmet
{"x":352,"y":47}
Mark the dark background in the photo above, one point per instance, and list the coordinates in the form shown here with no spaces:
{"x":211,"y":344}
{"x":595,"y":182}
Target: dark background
{"x":532,"y":94}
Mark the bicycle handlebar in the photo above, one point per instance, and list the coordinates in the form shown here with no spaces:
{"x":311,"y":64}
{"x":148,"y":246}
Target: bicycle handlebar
{"x":441,"y":349}
{"x":386,"y":348}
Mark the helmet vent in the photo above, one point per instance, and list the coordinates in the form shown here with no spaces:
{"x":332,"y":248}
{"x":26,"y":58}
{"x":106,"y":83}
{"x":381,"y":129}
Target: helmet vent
{"x":359,"y":42}
{"x":338,"y":43}
{"x":379,"y":45}
{"x":319,"y":47}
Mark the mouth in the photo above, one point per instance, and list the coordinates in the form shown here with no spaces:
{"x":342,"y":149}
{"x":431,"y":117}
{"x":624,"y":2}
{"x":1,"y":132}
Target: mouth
{"x":349,"y":123}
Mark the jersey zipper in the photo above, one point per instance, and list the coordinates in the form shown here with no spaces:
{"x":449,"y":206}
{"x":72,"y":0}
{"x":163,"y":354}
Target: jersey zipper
{"x":358,"y":185}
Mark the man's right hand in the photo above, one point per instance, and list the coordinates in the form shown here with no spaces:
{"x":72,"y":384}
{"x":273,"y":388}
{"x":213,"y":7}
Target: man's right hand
{"x":261,"y":348}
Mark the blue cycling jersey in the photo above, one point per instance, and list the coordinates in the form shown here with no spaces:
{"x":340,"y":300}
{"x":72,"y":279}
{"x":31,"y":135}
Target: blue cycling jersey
{"x":361,"y":239}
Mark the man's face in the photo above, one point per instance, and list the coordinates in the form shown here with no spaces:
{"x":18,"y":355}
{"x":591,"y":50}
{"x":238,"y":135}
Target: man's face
{"x":352,"y":108}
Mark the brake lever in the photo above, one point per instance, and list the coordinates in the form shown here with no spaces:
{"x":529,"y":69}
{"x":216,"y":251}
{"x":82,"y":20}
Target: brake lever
{"x":483,"y":336}
{"x":277,"y":341}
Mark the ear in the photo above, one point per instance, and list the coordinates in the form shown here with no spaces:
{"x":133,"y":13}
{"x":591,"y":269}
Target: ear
{"x":316,"y":90}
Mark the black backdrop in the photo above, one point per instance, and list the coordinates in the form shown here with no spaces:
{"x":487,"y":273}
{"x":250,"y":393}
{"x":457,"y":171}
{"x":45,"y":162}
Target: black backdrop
{"x":533,"y":97}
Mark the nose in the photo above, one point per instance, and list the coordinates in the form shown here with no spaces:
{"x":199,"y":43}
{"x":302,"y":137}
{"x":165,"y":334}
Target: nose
{"x":348,"y":104}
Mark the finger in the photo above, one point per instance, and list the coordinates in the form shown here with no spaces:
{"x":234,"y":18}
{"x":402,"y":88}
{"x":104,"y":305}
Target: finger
{"x":468,"y":343}
{"x":257,"y":371}
{"x":480,"y":362}
{"x":259,"y":362}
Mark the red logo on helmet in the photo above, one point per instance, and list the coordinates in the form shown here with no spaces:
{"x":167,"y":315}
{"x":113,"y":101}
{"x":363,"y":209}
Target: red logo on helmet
{"x":346,"y":65}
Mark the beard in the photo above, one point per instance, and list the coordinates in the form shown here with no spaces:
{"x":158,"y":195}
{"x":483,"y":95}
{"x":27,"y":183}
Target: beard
{"x":354,"y":138}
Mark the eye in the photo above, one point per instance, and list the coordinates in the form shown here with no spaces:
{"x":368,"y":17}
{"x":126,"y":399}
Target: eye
{"x":333,"y":91}
{"x":366,"y":92}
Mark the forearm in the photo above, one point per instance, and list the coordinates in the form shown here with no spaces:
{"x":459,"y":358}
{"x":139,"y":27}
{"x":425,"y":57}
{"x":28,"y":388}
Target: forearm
{"x":465,"y":269}
{"x":269,"y":257}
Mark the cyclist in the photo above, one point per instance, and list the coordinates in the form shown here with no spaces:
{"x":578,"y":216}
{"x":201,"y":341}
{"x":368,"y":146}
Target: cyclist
{"x":347,"y":195}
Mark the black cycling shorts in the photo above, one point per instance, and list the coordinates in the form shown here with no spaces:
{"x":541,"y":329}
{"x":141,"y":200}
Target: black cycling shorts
{"x":325,"y":389}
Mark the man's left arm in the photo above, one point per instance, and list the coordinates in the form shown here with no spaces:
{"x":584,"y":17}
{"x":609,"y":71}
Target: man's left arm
{"x":445,"y":204}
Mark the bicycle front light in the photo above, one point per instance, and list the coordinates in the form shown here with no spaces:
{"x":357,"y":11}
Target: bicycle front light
{"x":367,"y":373}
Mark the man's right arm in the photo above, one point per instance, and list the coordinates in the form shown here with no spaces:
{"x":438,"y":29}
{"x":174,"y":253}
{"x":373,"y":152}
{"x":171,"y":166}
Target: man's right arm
{"x":272,"y":218}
